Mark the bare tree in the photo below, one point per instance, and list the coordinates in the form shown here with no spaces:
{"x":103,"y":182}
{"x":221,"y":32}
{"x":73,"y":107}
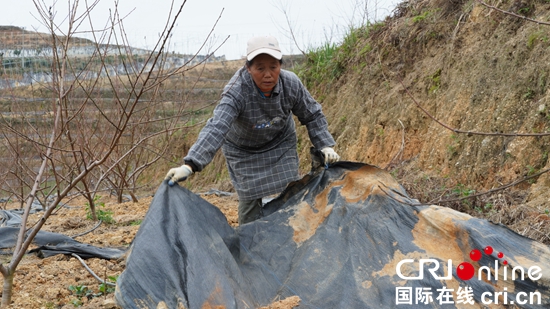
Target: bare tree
{"x":102,"y":125}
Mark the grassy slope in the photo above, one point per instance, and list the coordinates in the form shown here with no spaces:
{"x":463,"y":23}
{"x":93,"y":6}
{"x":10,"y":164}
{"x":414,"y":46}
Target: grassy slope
{"x":471,"y":68}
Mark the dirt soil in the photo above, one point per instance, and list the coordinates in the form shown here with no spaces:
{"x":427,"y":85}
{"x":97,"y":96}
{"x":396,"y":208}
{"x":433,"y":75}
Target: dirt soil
{"x":46,"y":283}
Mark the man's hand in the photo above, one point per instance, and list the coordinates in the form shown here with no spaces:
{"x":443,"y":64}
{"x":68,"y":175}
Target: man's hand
{"x":330,"y":155}
{"x":178,"y":174}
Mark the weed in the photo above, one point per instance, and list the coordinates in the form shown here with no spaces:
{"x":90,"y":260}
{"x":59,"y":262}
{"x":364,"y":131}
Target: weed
{"x":524,"y":10}
{"x":104,"y":215}
{"x":435,"y":81}
{"x":136,"y":222}
{"x":49,"y":305}
{"x":365,"y":50}
{"x":377,"y":26}
{"x":422,"y":17}
{"x":81,"y":291}
{"x":534,"y":38}
{"x":350,"y":41}
{"x":487,"y":208}
{"x":105,"y":289}
{"x":77,"y":302}
{"x":529,"y":94}
{"x":463,"y":191}
{"x":531,"y":170}
{"x":451,"y":150}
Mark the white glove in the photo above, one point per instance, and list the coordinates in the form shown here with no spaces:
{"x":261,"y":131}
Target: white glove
{"x":178,"y":174}
{"x":330,"y":155}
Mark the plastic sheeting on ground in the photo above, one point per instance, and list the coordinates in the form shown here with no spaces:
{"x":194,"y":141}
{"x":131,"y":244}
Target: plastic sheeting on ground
{"x":345,"y":238}
{"x":50,"y":244}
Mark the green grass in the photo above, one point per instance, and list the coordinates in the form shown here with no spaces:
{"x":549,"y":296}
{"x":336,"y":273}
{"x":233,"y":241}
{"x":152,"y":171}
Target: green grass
{"x":321,"y":65}
{"x":423,"y":16}
{"x":328,"y":62}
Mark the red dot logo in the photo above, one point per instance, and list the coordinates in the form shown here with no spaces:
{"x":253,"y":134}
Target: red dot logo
{"x":500,"y":255}
{"x":475,"y":255}
{"x":465,"y":271}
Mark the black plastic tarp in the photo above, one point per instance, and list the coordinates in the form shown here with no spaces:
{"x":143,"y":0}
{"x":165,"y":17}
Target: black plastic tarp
{"x":50,"y":244}
{"x":347,"y":237}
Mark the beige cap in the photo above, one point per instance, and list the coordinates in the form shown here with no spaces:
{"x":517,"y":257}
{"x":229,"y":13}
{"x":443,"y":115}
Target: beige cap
{"x":263,"y":45}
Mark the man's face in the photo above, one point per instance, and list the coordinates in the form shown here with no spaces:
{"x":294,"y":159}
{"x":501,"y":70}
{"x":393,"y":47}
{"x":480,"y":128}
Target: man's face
{"x":265,"y":72}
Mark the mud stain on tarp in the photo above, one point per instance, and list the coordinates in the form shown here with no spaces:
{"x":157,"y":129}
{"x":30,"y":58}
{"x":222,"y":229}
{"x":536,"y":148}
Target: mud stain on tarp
{"x":390,"y":268}
{"x":436,"y":232}
{"x":360,"y":184}
{"x":213,"y":301}
{"x":440,"y":234}
{"x":355,"y":186}
{"x":307,"y":219}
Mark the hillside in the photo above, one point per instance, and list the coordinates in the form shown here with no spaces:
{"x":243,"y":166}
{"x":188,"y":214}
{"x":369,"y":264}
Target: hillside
{"x":27,"y":56}
{"x":469,"y":67}
{"x":12,"y":37}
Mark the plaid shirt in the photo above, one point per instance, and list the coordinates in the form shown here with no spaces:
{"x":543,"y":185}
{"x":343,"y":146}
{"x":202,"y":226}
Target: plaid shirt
{"x":257,"y":134}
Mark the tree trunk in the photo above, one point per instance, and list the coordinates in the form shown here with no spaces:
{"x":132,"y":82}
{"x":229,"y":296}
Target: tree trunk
{"x":134,"y":198}
{"x":8,"y":289}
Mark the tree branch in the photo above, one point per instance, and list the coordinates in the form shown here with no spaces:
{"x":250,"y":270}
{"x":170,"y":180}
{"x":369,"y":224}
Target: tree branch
{"x":462,"y":131}
{"x":513,"y":14}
